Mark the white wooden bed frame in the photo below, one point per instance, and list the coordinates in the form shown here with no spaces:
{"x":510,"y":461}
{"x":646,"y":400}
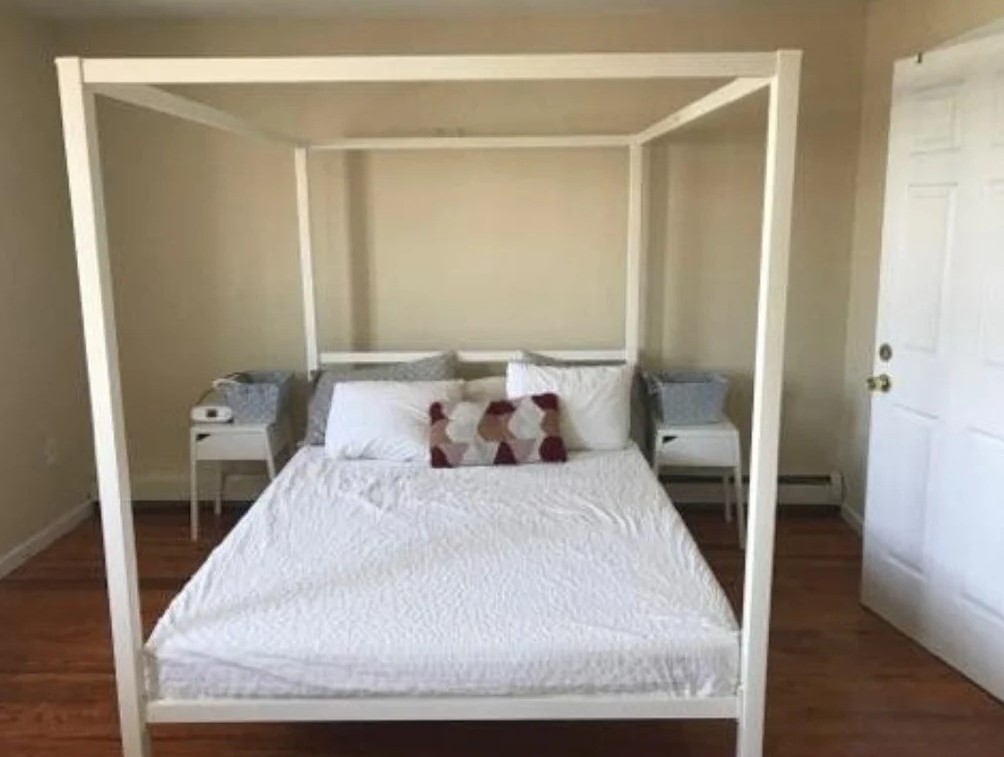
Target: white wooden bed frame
{"x":133,"y":80}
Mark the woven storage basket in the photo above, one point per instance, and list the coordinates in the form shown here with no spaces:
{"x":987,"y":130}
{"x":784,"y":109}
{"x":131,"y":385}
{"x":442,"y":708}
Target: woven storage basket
{"x":261,"y":398}
{"x":688,"y":398}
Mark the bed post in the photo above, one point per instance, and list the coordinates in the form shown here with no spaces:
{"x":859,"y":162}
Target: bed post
{"x":634,"y":298}
{"x":300,"y":155}
{"x":94,"y":273}
{"x":776,"y":243}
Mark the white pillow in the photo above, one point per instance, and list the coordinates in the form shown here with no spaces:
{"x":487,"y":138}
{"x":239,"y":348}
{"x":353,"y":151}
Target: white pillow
{"x":595,"y":401}
{"x":384,"y":420}
{"x":488,"y":389}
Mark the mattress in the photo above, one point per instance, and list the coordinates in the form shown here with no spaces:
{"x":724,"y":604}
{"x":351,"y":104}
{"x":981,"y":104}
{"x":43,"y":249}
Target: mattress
{"x":364,"y":578}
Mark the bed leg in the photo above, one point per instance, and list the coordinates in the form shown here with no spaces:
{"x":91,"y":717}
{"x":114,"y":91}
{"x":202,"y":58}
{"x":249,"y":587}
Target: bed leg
{"x":118,"y":535}
{"x":132,"y":723}
{"x":749,"y":727}
{"x":137,"y":742}
{"x":132,"y":717}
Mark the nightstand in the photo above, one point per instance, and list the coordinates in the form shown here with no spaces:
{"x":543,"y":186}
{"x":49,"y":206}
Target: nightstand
{"x":226,"y":442}
{"x":715,"y":445}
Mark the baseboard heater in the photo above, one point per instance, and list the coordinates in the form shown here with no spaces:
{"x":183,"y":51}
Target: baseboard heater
{"x":792,"y":489}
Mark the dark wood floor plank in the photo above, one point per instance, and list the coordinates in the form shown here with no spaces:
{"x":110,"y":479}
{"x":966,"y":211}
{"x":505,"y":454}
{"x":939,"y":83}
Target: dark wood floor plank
{"x":842,"y":682}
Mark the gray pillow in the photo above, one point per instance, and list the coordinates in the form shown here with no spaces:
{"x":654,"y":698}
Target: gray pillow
{"x":641,"y":415}
{"x":442,"y":367}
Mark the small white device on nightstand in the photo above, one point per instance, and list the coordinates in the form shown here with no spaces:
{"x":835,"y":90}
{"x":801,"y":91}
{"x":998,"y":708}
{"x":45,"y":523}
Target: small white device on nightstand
{"x":212,"y":408}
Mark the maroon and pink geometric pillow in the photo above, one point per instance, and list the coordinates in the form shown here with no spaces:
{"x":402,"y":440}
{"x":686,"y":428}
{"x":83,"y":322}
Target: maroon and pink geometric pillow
{"x":501,"y":432}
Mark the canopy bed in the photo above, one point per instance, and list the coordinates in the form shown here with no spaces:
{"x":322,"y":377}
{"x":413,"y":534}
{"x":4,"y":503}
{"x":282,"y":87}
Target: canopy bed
{"x":724,"y":665}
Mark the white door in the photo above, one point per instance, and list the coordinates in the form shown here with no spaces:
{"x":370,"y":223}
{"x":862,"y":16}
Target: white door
{"x":934,"y":525}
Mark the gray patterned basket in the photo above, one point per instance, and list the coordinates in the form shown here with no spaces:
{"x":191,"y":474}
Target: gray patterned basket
{"x":688,"y":398}
{"x":257,"y":396}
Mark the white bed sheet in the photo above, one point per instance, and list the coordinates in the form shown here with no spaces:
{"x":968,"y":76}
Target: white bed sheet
{"x":356,"y":578}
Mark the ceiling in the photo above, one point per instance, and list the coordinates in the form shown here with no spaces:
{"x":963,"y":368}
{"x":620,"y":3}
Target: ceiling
{"x":374,"y":8}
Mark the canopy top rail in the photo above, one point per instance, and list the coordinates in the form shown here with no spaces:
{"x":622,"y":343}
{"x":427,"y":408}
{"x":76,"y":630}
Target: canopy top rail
{"x":131,"y":80}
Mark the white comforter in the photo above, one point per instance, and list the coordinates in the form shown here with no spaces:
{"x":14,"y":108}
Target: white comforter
{"x":368,"y":578}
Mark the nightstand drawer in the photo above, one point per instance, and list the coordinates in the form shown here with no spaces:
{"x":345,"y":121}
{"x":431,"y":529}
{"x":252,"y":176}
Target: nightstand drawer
{"x":231,"y":446}
{"x":696,"y":450}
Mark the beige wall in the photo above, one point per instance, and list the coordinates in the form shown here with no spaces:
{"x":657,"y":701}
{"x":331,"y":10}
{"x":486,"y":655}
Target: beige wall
{"x":896,"y":28}
{"x":204,"y":239}
{"x":43,"y":393}
{"x":471,"y":249}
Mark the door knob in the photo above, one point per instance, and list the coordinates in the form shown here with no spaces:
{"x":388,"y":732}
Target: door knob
{"x":881,"y":383}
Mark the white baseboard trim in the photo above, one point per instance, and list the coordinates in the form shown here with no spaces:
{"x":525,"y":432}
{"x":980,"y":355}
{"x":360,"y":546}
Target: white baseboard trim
{"x":853,"y":519}
{"x":27,"y":549}
{"x":793,"y":489}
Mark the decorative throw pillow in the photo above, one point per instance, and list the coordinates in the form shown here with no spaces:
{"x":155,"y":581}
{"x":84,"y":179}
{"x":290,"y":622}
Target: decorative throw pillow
{"x":496,"y":432}
{"x":440,"y":367}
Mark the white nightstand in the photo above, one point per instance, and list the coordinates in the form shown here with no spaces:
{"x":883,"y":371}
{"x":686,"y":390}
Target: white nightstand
{"x":711,"y":446}
{"x":226,"y":442}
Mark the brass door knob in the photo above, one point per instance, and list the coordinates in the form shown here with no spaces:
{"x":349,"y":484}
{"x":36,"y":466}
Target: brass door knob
{"x":881,"y":383}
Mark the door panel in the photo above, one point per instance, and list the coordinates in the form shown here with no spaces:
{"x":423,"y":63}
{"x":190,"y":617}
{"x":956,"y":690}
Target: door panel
{"x":929,"y":221}
{"x":901,"y":525}
{"x":986,"y":411}
{"x":998,"y":116}
{"x":982,"y":583}
{"x":935,"y":120}
{"x":992,"y":310}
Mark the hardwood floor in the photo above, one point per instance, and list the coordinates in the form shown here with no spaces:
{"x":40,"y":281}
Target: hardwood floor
{"x":842,"y":682}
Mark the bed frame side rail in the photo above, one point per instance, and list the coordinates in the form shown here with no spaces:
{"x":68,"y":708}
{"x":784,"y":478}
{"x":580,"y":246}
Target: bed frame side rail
{"x":584,"y":707}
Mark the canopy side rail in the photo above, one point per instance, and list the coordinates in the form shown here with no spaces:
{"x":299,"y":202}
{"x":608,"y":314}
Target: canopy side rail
{"x":720,"y":98}
{"x":171,"y":104}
